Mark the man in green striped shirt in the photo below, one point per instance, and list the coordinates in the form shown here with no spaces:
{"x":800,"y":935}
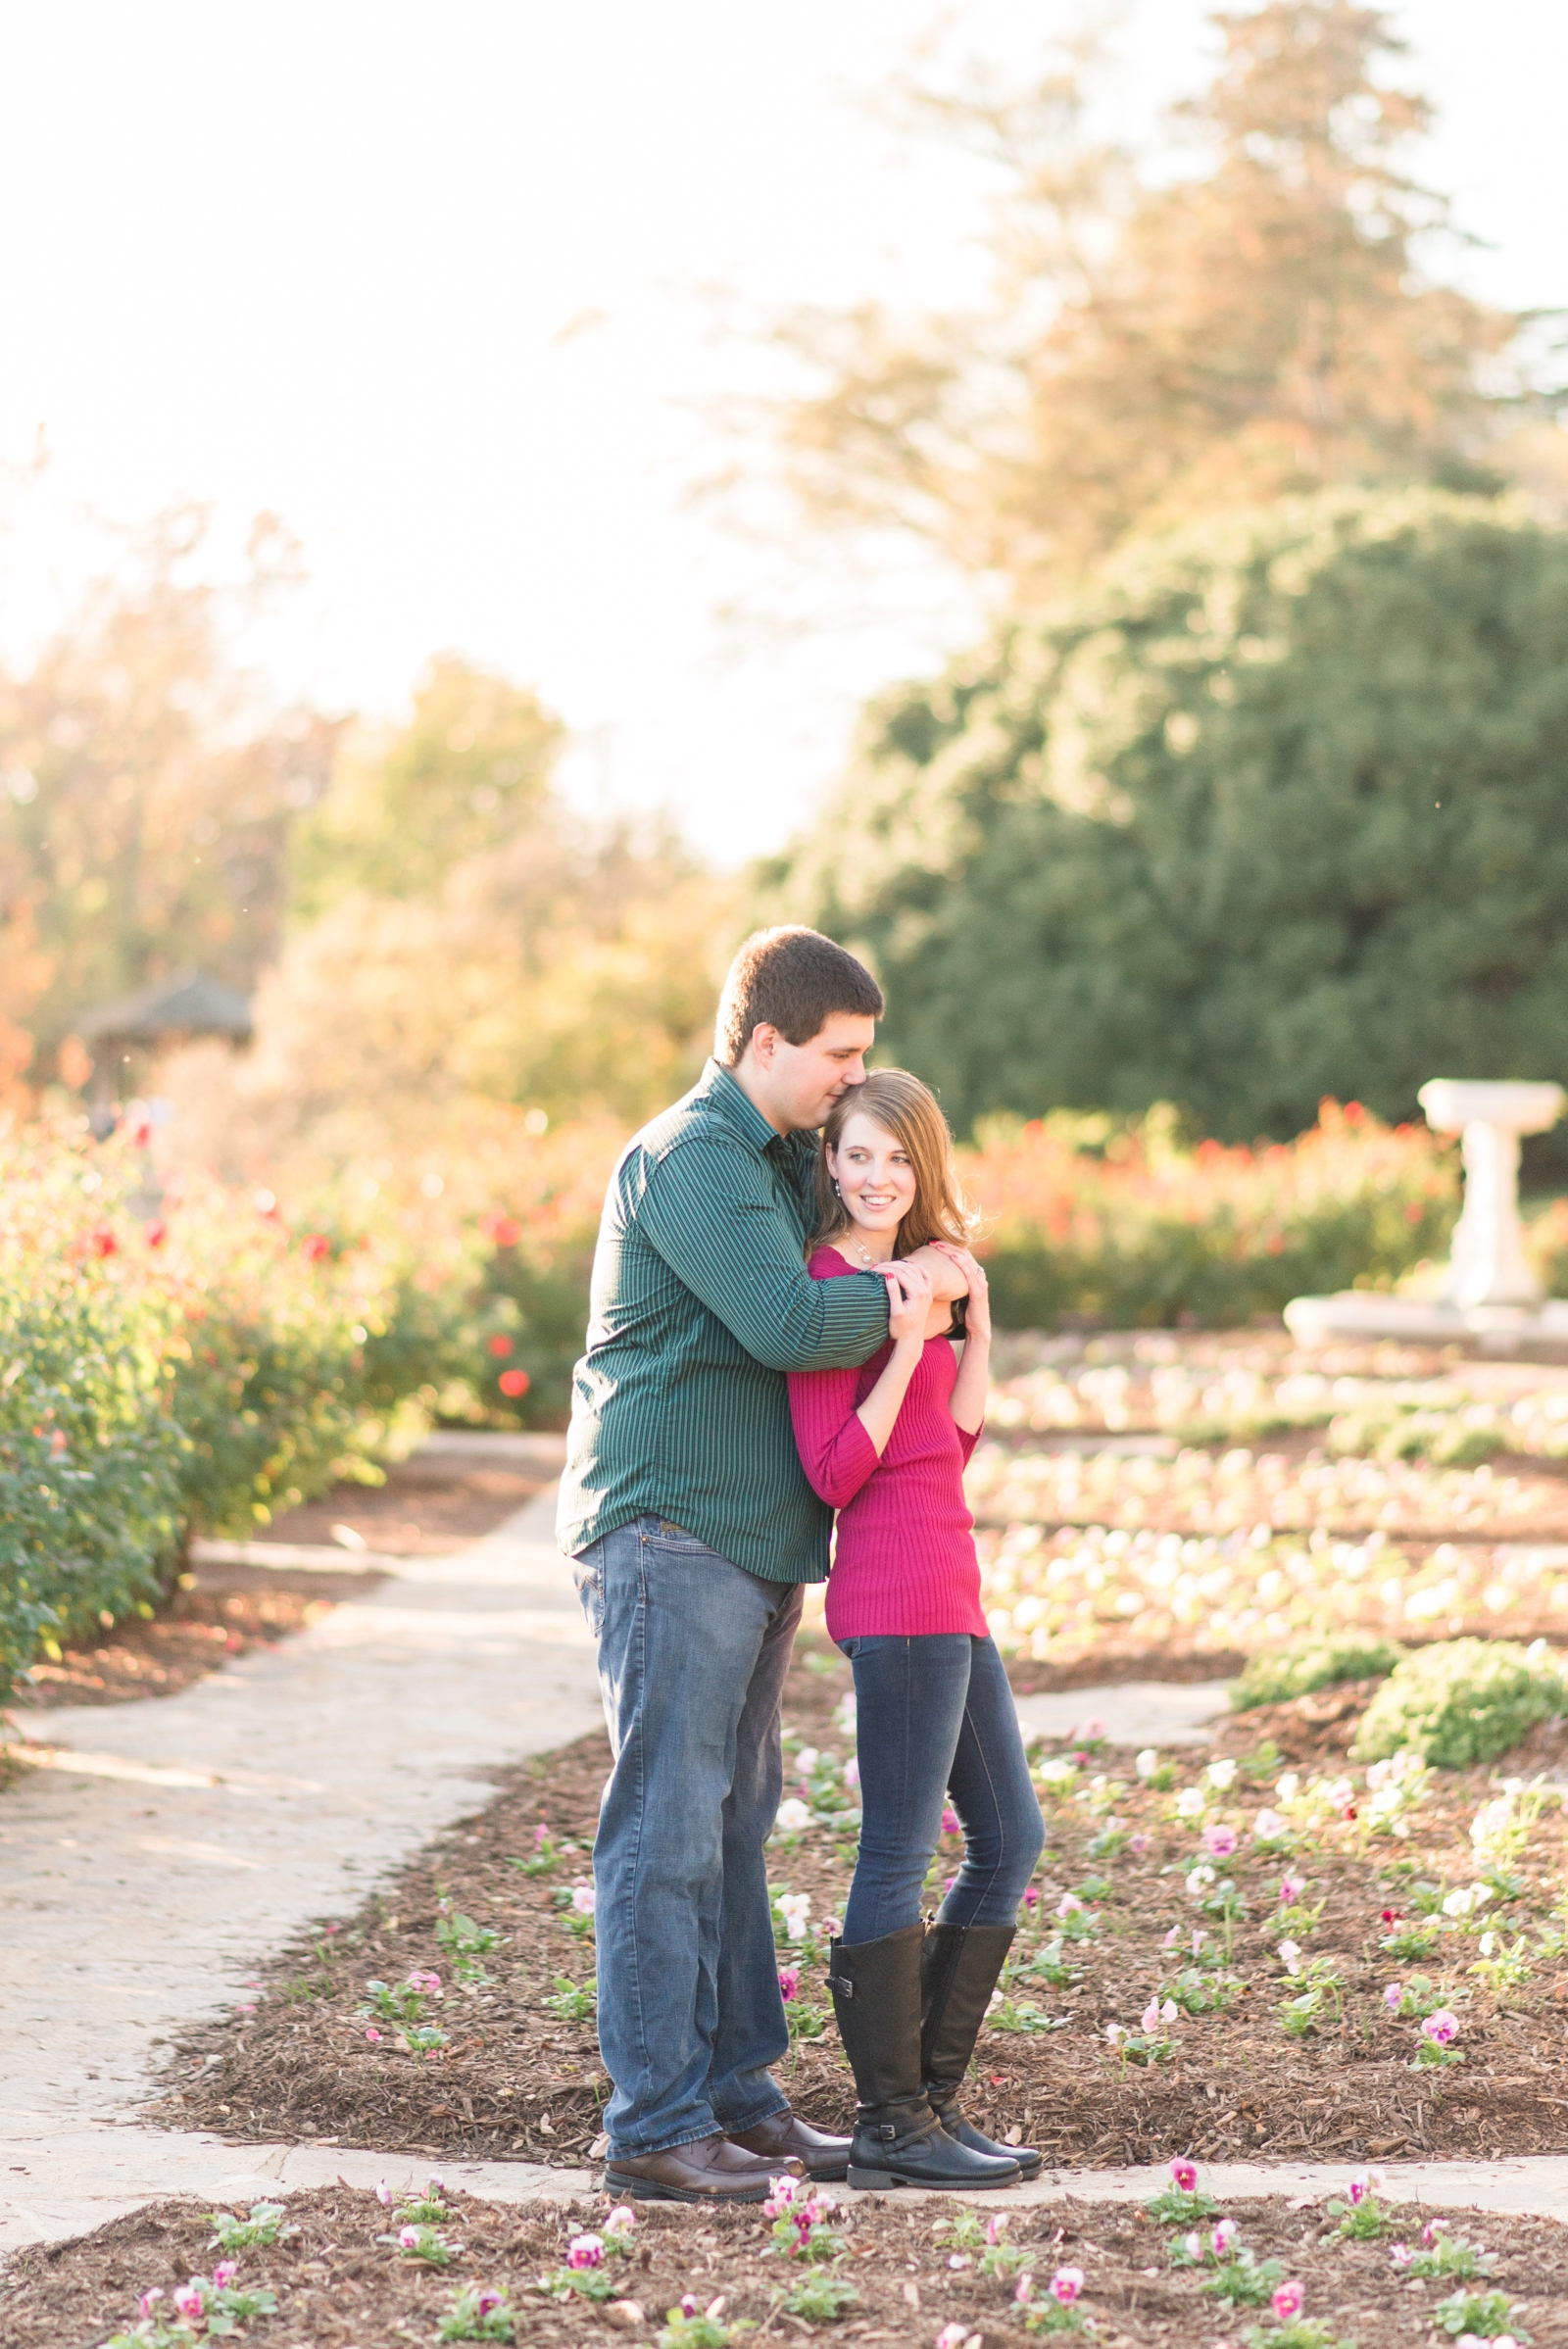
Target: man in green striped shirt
{"x":693,"y":1529}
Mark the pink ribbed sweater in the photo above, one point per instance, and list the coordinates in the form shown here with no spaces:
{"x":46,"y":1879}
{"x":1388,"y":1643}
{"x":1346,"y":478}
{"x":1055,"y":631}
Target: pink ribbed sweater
{"x":904,"y":1556}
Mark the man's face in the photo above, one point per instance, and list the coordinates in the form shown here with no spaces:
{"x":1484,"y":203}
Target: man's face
{"x":797,"y":1084}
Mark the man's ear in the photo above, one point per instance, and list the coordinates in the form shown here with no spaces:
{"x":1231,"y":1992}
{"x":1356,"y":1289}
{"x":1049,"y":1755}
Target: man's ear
{"x":763,"y":1042}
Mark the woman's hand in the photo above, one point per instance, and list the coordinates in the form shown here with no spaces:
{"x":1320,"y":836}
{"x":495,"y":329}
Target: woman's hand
{"x":908,"y":1301}
{"x":977,"y":1319}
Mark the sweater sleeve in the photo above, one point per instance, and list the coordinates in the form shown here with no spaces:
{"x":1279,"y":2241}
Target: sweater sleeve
{"x":836,"y":1452}
{"x":968,"y":1440}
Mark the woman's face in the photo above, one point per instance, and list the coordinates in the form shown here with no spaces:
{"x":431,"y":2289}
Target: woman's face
{"x":875,"y":1179}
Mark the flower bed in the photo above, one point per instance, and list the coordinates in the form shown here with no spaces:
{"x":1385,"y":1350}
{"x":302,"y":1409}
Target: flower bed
{"x":338,"y":2266}
{"x":1199,"y":1880}
{"x":1121,"y":1222}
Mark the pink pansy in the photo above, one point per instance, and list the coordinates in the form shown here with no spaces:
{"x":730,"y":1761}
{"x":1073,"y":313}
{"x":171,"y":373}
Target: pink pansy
{"x":224,"y":2274}
{"x":1031,"y":1898}
{"x":1172,"y":1937}
{"x":951,"y":1825}
{"x":960,"y":2259}
{"x":1431,"y":2232}
{"x":951,"y":2336}
{"x":487,"y":2303}
{"x":383,"y":2195}
{"x":1440,"y":2028}
{"x":408,"y":2238}
{"x":1401,"y":2254}
{"x":1223,"y":2237}
{"x":1193,"y":2245}
{"x":1068,"y":1905}
{"x":1291,"y":1888}
{"x":1138,"y":1844}
{"x":1185,"y":2175}
{"x":1067,"y":2284}
{"x":1090,"y":1731}
{"x":1392,"y":1995}
{"x":435,"y":2183}
{"x":1288,"y":2301}
{"x":996,"y":2226}
{"x":621,"y":2218}
{"x":144,"y":2306}
{"x":1361,"y":2184}
{"x":373,"y":2034}
{"x":585,"y":2251}
{"x":1023,"y":2291}
{"x":851,"y":1771}
{"x":688,"y":2304}
{"x":582,"y":1899}
{"x":789,"y":1983}
{"x":832,"y":1927}
{"x":1219,"y":1841}
{"x":190,"y":2299}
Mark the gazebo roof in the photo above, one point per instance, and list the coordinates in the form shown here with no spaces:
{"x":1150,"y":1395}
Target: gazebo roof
{"x":187,"y":1004}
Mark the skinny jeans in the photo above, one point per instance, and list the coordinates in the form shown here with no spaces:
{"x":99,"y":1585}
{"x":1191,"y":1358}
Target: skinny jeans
{"x":936,"y":1721}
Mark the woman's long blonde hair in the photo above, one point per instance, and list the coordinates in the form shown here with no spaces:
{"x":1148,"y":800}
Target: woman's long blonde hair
{"x":908,"y":1111}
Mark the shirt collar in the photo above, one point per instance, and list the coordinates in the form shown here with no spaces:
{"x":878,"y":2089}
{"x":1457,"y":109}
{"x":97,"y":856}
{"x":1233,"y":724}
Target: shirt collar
{"x":722,"y":1093}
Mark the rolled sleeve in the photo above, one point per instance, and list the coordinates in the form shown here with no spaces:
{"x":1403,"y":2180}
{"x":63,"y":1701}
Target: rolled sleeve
{"x":710,"y":1215}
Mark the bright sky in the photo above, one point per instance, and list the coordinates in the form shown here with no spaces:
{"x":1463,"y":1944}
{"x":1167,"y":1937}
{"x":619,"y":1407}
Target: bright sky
{"x":434,"y":282}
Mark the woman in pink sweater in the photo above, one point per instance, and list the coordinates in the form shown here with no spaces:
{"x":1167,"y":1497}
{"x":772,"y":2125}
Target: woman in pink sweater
{"x":886,"y":1444}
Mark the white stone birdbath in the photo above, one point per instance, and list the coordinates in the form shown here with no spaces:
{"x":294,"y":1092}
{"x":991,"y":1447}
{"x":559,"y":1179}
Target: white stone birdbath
{"x":1491,"y":1294}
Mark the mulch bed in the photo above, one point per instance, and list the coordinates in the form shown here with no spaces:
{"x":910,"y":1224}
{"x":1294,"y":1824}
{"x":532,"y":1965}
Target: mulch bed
{"x":518,"y":2080}
{"x":224,"y":1611}
{"x":340,"y":2285}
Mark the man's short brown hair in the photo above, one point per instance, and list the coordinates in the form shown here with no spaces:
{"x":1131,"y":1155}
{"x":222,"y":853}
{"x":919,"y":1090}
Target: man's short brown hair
{"x":793,"y":978}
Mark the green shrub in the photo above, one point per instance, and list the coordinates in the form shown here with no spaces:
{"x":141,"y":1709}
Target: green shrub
{"x":1302,"y":1665}
{"x":1462,"y":1701}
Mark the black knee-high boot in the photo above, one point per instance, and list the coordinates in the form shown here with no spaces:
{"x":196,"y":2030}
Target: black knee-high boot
{"x":898,"y":2141}
{"x":960,"y":1966}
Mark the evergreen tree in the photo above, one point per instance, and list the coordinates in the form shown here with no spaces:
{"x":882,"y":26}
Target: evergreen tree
{"x":1278,"y":810}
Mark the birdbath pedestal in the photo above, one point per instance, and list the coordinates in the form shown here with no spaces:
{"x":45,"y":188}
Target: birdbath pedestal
{"x":1486,"y":1269}
{"x":1491,"y":1296}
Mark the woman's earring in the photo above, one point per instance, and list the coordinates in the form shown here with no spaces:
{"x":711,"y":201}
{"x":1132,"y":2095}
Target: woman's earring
{"x":836,"y":1193}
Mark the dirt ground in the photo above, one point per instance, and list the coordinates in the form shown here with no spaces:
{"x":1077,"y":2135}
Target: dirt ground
{"x":521,"y":2077}
{"x":223,"y":1611}
{"x":341,"y":2282}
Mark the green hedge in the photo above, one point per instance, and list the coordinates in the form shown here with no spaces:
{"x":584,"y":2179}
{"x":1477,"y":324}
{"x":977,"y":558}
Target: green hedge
{"x":1462,"y":1701}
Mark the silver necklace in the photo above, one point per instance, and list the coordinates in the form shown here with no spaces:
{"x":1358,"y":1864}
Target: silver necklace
{"x":868,"y":1260}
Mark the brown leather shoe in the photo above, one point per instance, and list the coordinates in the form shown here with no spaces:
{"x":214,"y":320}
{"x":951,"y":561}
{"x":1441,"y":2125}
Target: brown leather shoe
{"x":786,"y":2134}
{"x":711,"y":2169}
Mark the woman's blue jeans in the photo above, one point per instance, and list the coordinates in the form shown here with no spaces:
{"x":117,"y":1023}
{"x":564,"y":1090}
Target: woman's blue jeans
{"x":936,"y":1721}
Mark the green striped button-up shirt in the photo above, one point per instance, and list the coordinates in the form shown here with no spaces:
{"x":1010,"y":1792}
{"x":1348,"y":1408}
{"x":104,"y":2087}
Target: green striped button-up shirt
{"x":701,"y":1303}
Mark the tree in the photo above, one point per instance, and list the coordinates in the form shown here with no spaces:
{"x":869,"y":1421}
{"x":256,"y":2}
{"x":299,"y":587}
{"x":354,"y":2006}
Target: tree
{"x":1264,"y":325}
{"x":465,"y":776}
{"x":461,"y":942}
{"x":144,"y":796}
{"x":1278,"y":810}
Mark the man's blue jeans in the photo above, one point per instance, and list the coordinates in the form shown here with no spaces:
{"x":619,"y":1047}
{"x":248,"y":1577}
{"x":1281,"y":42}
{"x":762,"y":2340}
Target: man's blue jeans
{"x":692,"y":1656}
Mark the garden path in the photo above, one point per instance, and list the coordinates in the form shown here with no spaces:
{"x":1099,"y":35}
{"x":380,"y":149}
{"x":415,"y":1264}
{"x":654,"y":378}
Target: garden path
{"x":155,"y":1851}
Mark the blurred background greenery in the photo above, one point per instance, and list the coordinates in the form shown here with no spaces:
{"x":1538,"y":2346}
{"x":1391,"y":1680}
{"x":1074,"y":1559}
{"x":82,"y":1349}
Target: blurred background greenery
{"x":1248,"y":804}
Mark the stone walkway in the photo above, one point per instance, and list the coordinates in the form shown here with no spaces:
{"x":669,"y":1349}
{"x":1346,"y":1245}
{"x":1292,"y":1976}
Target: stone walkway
{"x":155,"y":1853}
